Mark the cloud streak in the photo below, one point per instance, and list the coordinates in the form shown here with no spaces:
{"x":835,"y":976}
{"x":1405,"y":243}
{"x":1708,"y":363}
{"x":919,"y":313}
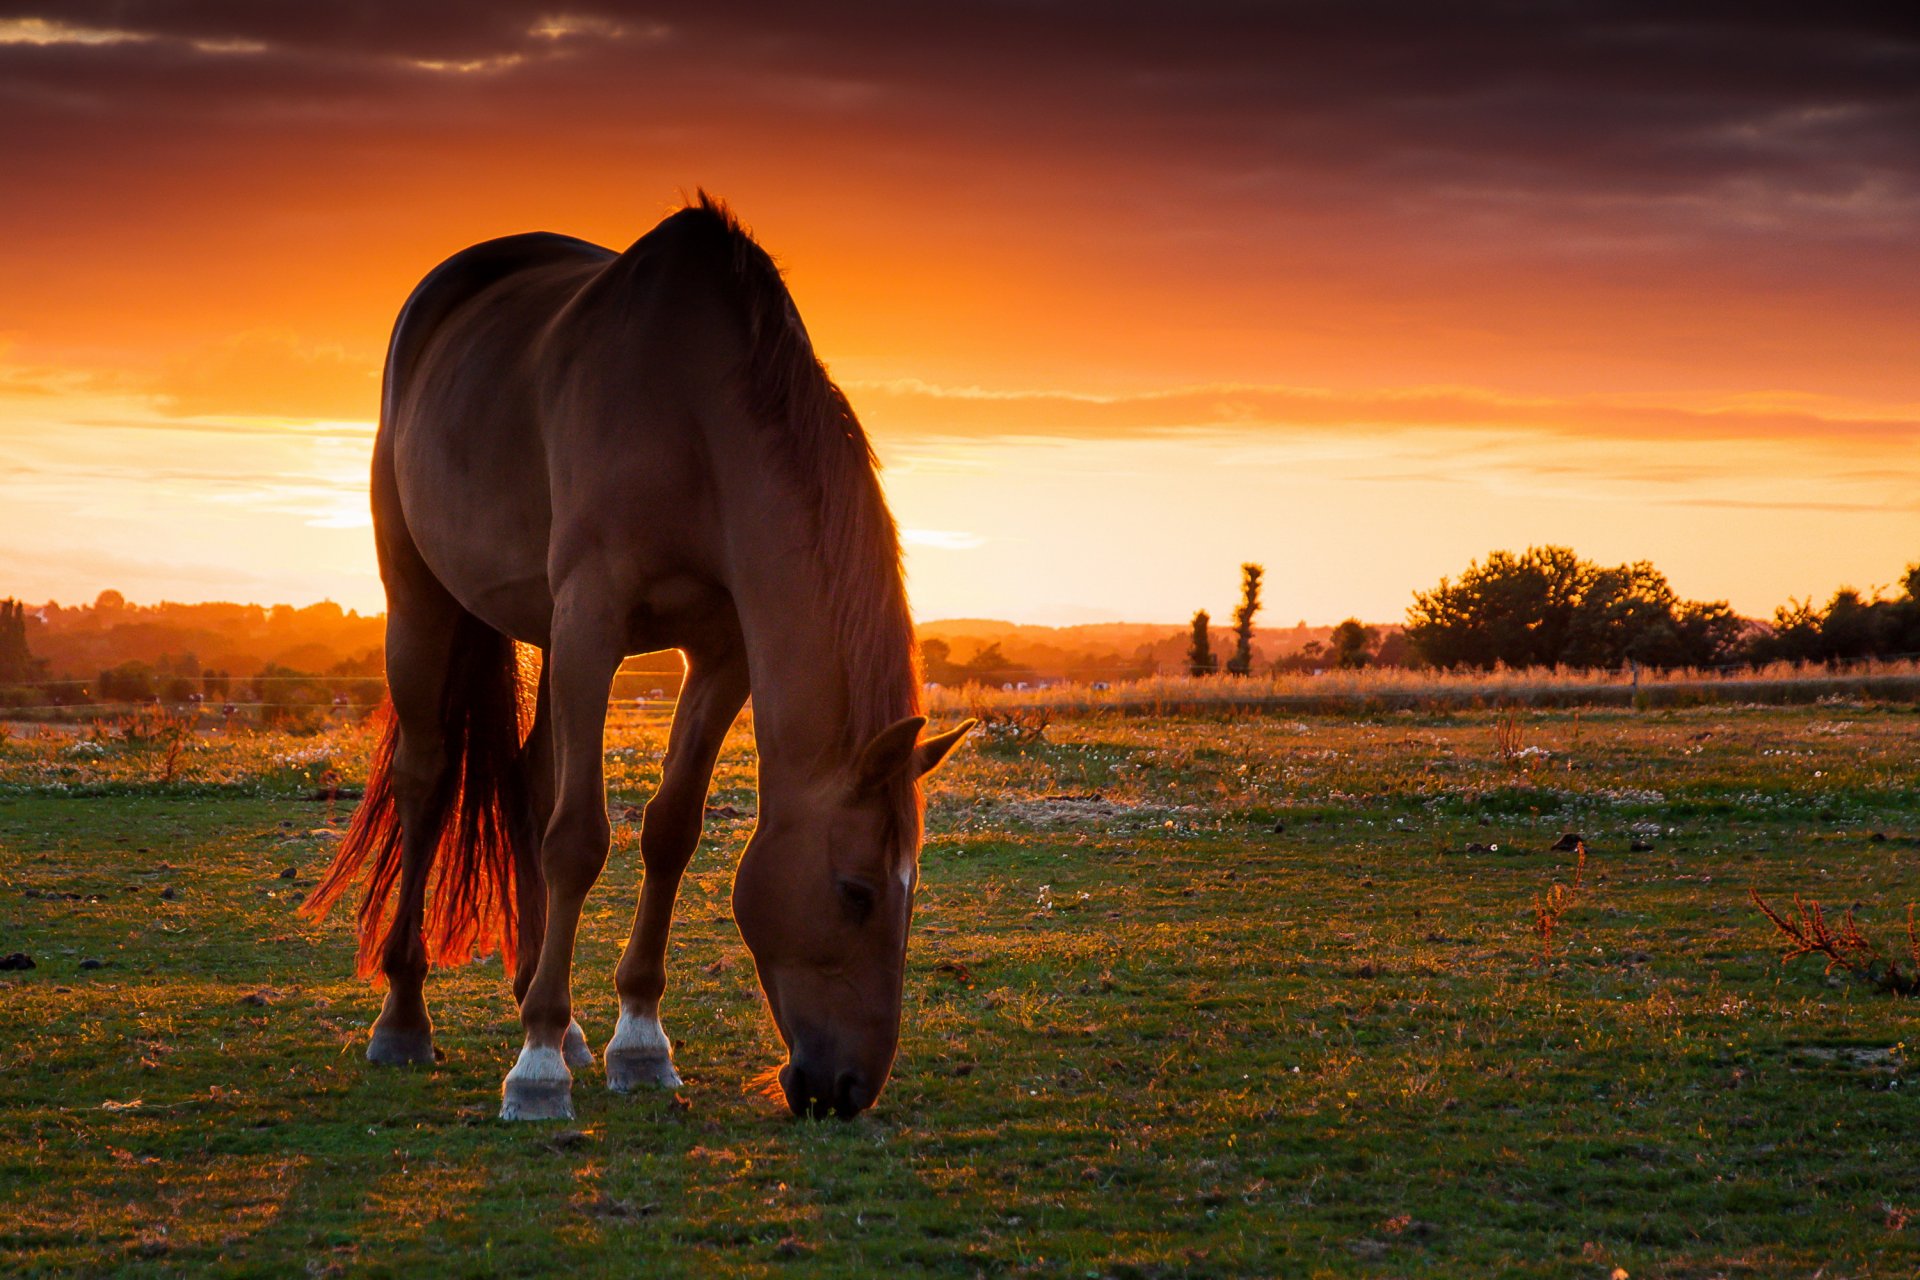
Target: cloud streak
{"x":908,"y":407}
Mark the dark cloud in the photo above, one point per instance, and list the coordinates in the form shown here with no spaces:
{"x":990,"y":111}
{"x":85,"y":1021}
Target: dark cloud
{"x":1456,"y":177}
{"x":1729,"y":103}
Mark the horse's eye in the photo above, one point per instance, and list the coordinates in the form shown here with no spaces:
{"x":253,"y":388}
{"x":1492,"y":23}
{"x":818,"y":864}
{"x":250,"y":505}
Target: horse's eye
{"x":856,"y":898}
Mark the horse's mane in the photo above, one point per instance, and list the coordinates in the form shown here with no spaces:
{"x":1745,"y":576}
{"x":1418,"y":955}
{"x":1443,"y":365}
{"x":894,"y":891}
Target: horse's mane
{"x":828,"y":455}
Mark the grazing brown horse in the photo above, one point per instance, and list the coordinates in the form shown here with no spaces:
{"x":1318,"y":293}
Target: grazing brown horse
{"x":598,"y":455}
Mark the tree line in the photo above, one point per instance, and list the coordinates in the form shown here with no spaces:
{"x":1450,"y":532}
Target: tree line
{"x":1548,"y":607}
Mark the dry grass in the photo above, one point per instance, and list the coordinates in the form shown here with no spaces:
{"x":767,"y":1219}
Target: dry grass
{"x":1847,"y":949}
{"x":1399,"y":688}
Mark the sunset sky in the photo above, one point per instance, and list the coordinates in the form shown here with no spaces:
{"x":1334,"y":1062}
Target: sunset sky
{"x":1126,"y":294}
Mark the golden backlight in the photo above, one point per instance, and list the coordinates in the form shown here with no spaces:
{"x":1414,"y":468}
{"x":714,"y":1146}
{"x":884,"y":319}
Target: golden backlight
{"x":1107,"y":355}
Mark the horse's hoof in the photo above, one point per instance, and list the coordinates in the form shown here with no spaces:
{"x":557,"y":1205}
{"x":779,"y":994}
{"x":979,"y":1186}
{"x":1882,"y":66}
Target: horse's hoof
{"x":574,"y":1048}
{"x":392,"y":1047}
{"x":538,"y":1088}
{"x":537,"y":1100}
{"x":640,"y":1056}
{"x":628,"y":1070}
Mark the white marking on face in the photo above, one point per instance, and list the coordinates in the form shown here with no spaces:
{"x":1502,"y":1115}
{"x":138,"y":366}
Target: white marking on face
{"x":906,"y":876}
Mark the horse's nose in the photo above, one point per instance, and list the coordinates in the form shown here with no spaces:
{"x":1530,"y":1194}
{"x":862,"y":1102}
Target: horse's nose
{"x":851,"y":1094}
{"x":808,"y":1093}
{"x":805,"y":1096}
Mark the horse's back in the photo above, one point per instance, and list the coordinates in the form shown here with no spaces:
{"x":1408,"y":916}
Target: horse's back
{"x":459,"y":429}
{"x":548,"y":402}
{"x":464,"y":277}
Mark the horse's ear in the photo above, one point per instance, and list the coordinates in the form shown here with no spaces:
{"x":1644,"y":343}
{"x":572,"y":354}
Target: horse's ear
{"x":889,"y":754}
{"x":931,"y":751}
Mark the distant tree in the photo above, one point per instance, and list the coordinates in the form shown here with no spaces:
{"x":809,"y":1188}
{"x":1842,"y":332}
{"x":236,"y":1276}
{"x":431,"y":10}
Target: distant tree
{"x":1352,"y":644}
{"x":1241,"y":663}
{"x":1794,"y":635}
{"x":989,"y":666}
{"x":109,"y":601}
{"x":937,"y":664}
{"x":1201,"y":659}
{"x":1394,"y":651}
{"x":177,"y":678}
{"x":1548,"y":607}
{"x":128,"y":682}
{"x":289,"y":697}
{"x":1850,"y":628}
{"x":17,"y":663}
{"x":1903,"y":622}
{"x":1709,"y":634}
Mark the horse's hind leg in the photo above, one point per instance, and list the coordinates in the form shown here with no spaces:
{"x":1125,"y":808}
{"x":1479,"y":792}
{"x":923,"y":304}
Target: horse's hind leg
{"x":640,"y":1053}
{"x":532,"y":893}
{"x":421,"y":633}
{"x":585,"y":653}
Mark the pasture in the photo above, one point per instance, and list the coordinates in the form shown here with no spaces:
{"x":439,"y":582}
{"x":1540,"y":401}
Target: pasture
{"x":1214,"y":995}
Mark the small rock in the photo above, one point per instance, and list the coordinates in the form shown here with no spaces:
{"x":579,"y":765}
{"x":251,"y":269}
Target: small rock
{"x":1474,"y":846}
{"x":1279,"y":828}
{"x":1640,"y":846}
{"x":1878,"y":837}
{"x":16,"y":960}
{"x":568,"y":1138}
{"x":606,"y":1206}
{"x":1567,"y":843}
{"x":260,"y":999}
{"x":290,"y":873}
{"x":91,"y":963}
{"x":169,"y":893}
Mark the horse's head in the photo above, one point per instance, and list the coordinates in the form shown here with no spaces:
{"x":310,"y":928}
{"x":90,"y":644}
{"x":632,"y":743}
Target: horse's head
{"x":823,"y":897}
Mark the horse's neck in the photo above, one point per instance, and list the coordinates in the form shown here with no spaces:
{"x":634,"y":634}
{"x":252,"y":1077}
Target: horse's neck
{"x":800,"y":701}
{"x":784,"y":592}
{"x":799,"y":679}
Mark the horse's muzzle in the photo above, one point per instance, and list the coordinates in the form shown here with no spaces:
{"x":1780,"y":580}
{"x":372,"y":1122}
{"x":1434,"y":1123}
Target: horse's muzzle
{"x":810,"y":1094}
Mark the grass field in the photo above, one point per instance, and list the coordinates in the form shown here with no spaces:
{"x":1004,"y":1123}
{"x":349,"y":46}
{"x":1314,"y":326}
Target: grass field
{"x":1203,"y":996}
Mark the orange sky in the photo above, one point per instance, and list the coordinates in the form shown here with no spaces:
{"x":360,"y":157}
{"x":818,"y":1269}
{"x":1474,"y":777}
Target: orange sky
{"x":1358,"y":292}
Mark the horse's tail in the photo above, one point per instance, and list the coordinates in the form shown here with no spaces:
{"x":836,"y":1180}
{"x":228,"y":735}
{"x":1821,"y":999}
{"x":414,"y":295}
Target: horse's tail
{"x":485,"y":859}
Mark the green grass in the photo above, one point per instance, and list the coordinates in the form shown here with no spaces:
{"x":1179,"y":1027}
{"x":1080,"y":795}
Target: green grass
{"x":1146,"y":1034}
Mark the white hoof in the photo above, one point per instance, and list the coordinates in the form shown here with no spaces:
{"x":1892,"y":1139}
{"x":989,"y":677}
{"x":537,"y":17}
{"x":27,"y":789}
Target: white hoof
{"x":538,"y":1088}
{"x":574,"y":1048}
{"x":639,"y":1056}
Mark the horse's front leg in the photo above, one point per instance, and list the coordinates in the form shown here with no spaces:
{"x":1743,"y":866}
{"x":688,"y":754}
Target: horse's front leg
{"x":584,"y":655}
{"x":640,"y":1053}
